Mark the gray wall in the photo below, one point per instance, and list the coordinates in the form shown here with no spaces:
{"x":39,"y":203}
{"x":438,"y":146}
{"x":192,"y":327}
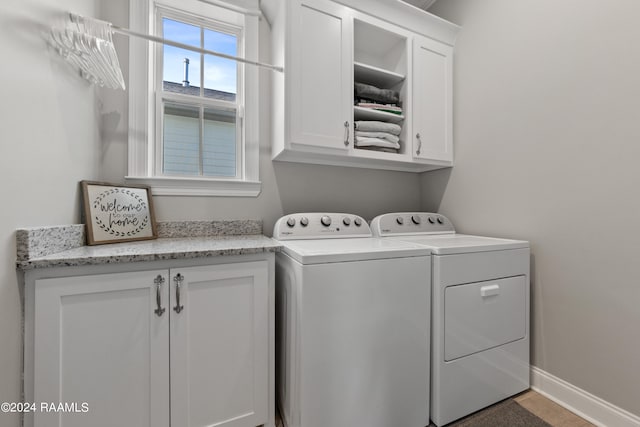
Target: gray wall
{"x":50,"y":140}
{"x":56,"y":129}
{"x":547,"y":141}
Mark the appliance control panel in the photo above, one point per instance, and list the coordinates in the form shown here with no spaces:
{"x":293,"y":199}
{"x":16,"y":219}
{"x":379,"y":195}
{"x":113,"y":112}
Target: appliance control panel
{"x":318,"y":225}
{"x":400,"y":223}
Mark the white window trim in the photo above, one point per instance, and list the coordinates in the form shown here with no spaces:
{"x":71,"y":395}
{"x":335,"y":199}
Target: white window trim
{"x":142,"y":126}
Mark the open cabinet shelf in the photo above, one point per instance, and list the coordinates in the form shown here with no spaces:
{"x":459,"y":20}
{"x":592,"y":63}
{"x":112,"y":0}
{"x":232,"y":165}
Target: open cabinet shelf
{"x":375,"y":76}
{"x":380,"y":60}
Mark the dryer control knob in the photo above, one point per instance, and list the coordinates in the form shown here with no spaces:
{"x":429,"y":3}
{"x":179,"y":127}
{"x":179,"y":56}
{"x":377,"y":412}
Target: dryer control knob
{"x":431,"y":220}
{"x":304,"y":221}
{"x":440,"y":221}
{"x":291,"y":222}
{"x":346,"y":221}
{"x":326,"y":220}
{"x":415,"y":219}
{"x":357,"y":222}
{"x":400,"y":220}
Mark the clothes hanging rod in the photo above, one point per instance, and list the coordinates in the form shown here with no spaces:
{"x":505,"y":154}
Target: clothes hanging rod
{"x":128,"y":32}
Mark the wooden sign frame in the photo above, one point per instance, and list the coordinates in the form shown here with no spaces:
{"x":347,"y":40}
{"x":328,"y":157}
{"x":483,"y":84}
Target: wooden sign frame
{"x":115,"y":213}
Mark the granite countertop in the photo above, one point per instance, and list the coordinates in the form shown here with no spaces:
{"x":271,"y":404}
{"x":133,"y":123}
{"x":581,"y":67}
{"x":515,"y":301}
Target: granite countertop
{"x":63,"y":246}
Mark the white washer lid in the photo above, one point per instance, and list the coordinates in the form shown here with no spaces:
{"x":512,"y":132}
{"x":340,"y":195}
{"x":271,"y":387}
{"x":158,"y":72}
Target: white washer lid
{"x":322,"y":251}
{"x":446,"y":244}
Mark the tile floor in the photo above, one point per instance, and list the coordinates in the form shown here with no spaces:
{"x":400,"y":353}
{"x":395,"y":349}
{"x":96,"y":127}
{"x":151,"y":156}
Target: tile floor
{"x":539,"y":405}
{"x":549,"y":411}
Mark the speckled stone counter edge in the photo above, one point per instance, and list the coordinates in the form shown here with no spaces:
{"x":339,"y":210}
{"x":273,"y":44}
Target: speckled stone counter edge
{"x":175,"y":248}
{"x":42,"y":241}
{"x":37,"y":242}
{"x":209,"y":228}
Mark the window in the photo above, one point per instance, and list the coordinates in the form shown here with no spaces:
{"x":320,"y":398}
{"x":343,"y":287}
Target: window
{"x":199,"y":105}
{"x":193,"y":116}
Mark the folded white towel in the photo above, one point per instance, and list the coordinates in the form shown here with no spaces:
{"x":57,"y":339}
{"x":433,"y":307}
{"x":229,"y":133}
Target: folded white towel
{"x":376,"y":126}
{"x":381,"y":107}
{"x":382,"y":135}
{"x":362,"y":141}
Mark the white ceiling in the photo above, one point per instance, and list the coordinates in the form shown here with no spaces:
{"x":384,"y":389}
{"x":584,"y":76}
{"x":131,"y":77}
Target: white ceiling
{"x":422,"y":4}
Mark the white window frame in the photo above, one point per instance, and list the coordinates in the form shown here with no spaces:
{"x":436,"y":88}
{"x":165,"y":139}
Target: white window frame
{"x":144,"y":129}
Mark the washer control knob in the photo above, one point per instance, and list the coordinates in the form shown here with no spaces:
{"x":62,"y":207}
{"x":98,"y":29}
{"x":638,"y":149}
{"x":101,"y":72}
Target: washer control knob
{"x":357,"y":222}
{"x":431,"y":220}
{"x":326,"y":220}
{"x":440,"y":221}
{"x":304,"y":221}
{"x":346,"y":221}
{"x":291,"y":222}
{"x":415,"y":219}
{"x":400,"y":220}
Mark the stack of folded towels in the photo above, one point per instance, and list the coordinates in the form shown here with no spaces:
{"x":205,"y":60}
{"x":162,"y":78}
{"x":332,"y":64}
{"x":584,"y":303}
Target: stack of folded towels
{"x":368,"y":96}
{"x":378,"y":136}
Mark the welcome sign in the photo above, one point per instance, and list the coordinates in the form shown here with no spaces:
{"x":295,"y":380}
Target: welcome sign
{"x":115,"y":213}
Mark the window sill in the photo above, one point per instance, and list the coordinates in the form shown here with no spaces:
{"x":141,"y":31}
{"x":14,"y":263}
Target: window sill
{"x":198,"y":187}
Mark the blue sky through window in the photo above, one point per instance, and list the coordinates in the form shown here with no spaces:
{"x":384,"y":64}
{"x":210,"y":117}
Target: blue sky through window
{"x":219,"y":73}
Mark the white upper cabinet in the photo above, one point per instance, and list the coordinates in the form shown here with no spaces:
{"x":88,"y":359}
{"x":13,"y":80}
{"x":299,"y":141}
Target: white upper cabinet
{"x":354,"y":66}
{"x":320,"y":76}
{"x":432,"y":109}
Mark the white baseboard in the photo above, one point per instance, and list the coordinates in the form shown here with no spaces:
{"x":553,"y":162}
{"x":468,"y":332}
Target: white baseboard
{"x":580,"y":402}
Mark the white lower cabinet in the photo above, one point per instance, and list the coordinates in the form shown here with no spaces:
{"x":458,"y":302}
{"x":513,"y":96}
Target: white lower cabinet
{"x":219,"y":370}
{"x":182,"y":347}
{"x":99,"y":342}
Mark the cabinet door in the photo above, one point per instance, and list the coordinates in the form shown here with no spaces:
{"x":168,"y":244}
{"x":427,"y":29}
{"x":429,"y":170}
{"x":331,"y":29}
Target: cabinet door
{"x":432,"y":100}
{"x":219,"y":345}
{"x":99,"y":339}
{"x":321,"y":83}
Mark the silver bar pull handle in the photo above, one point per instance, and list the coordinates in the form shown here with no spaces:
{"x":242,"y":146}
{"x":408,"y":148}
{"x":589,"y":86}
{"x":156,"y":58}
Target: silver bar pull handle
{"x":419,"y":144}
{"x":179,"y":278}
{"x":346,"y":133}
{"x":158,"y":281}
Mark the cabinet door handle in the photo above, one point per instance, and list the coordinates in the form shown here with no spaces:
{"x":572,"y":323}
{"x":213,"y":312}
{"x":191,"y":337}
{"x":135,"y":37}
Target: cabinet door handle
{"x":158,"y":281}
{"x":491,"y":290}
{"x":419,"y":144}
{"x":346,"y":133}
{"x":179,"y":278}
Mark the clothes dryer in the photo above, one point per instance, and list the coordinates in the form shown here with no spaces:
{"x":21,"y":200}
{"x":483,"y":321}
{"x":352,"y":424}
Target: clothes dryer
{"x":352,"y":325}
{"x":480,"y":312}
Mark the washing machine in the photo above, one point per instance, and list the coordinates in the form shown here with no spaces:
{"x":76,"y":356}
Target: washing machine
{"x":480,"y":312}
{"x":352,"y":325}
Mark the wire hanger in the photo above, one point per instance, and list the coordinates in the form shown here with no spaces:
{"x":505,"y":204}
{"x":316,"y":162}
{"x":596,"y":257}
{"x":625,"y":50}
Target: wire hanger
{"x":88,"y":45}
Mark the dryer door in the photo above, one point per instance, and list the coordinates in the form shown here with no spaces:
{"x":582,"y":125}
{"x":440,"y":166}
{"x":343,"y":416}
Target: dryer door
{"x":483,"y":315}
